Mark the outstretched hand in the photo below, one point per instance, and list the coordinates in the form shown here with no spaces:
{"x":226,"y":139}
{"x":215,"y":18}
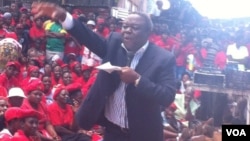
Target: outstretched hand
{"x":50,"y":10}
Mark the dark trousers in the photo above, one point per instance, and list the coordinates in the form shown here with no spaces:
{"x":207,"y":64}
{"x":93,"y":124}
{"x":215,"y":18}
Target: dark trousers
{"x":115,"y":133}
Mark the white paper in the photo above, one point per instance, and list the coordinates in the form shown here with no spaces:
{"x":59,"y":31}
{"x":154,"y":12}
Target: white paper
{"x":108,"y":67}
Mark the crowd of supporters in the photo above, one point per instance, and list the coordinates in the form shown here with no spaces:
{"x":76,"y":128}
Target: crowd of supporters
{"x":54,"y":72}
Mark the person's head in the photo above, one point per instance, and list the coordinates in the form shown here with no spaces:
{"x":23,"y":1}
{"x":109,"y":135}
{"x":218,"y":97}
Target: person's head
{"x":3,"y":105}
{"x":185,"y":77}
{"x":57,"y":70}
{"x":112,"y":27}
{"x":39,"y":22}
{"x":65,"y":68}
{"x":135,"y":31}
{"x":86,"y":71}
{"x":71,"y":57}
{"x":10,"y":69}
{"x":169,"y":111}
{"x":61,"y":94}
{"x":47,"y":69}
{"x":13,"y":7}
{"x":34,"y":90}
{"x":29,"y":122}
{"x":67,"y":78}
{"x":12,"y":117}
{"x":46,"y":82}
{"x":33,"y":71}
{"x":75,"y":93}
{"x":91,"y":16}
{"x":91,"y":24}
{"x":76,"y":67}
{"x":15,"y":97}
{"x":19,"y":28}
{"x":159,"y":4}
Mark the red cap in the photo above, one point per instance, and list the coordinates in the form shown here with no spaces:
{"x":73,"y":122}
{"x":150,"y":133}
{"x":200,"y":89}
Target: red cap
{"x":59,"y":62}
{"x":34,"y":84}
{"x":58,"y":89}
{"x":32,"y":68}
{"x":13,"y":113}
{"x":31,"y":113}
{"x":64,"y":65}
{"x":12,"y":63}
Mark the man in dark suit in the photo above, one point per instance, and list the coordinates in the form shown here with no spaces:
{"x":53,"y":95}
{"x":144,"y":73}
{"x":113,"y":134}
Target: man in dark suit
{"x":127,"y":103}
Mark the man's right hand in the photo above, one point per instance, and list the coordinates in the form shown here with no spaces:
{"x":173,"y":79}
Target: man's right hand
{"x":50,"y":10}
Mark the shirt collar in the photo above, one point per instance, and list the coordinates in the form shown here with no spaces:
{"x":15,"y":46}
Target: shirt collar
{"x":141,"y":50}
{"x":6,"y":131}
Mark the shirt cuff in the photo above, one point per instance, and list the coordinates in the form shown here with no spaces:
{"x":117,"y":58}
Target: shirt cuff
{"x":68,"y":23}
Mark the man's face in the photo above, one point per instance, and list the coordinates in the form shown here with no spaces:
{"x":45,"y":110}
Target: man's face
{"x":134,"y":32}
{"x":16,"y":101}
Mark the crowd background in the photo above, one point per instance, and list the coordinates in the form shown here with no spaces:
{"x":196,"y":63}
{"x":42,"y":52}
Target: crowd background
{"x":54,"y":63}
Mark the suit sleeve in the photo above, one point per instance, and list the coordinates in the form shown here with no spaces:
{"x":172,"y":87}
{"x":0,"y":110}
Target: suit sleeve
{"x":162,"y":90}
{"x":90,"y":39}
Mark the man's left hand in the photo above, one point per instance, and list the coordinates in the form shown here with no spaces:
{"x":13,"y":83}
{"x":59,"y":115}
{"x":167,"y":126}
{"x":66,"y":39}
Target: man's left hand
{"x":128,"y":75}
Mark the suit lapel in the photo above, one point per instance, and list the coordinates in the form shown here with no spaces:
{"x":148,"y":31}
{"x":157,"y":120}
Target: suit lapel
{"x":146,"y":60}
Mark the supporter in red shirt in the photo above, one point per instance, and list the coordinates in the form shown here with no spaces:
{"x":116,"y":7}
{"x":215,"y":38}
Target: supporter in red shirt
{"x":56,"y":75}
{"x":33,"y":71}
{"x":67,"y":79}
{"x":12,"y":118}
{"x":6,"y":76}
{"x":46,"y":79}
{"x":34,"y":91}
{"x":164,"y":42}
{"x":76,"y":70}
{"x":90,"y":81}
{"x":16,"y":97}
{"x":62,"y":115}
{"x":29,"y":129}
{"x":101,"y":28}
{"x":37,"y":35}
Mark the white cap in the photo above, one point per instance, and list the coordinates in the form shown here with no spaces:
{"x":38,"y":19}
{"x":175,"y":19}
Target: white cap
{"x":90,"y":22}
{"x":16,"y":91}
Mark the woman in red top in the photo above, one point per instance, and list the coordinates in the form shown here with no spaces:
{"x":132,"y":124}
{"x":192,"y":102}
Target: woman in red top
{"x":6,"y":77}
{"x":62,"y":115}
{"x":34,"y":91}
{"x":33,"y":71}
{"x":29,"y":126}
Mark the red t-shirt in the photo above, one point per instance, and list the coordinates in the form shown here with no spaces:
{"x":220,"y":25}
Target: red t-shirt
{"x":20,"y":136}
{"x":42,"y":109}
{"x":5,"y":137}
{"x":60,"y":116}
{"x":220,"y":60}
{"x":36,"y":33}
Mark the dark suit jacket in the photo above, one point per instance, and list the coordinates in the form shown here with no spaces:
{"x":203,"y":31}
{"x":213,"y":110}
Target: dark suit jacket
{"x":155,"y":90}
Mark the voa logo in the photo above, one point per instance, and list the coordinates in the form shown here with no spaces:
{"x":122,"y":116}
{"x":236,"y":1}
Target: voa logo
{"x":236,"y":132}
